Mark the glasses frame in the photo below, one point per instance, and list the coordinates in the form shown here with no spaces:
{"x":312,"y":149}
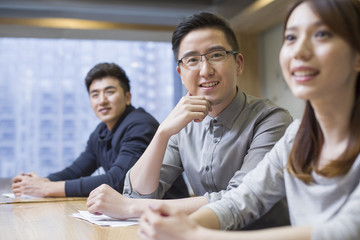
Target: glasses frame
{"x":204,"y":55}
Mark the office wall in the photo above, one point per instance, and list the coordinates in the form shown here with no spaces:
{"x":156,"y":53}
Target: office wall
{"x":249,"y":80}
{"x":273,"y":85}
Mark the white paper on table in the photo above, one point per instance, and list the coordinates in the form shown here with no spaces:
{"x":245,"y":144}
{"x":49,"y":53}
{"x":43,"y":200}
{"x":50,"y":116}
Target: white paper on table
{"x":103,"y":220}
{"x":11,"y":195}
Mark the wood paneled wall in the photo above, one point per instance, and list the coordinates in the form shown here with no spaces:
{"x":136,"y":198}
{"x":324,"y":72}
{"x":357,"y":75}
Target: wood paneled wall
{"x":249,"y":81}
{"x":248,"y":26}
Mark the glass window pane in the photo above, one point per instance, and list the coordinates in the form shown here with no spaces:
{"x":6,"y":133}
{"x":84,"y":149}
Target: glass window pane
{"x":45,"y":114}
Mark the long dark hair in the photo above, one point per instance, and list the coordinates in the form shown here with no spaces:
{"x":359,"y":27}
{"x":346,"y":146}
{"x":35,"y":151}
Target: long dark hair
{"x":343,"y":18}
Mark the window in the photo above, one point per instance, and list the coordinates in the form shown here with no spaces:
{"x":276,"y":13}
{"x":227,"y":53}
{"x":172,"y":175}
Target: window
{"x":45,"y":114}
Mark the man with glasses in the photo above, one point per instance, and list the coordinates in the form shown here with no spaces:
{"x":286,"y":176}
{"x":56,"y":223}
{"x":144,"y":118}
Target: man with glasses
{"x":216,"y":134}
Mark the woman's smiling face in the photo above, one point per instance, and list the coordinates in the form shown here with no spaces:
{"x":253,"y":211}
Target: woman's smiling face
{"x":316,"y":62}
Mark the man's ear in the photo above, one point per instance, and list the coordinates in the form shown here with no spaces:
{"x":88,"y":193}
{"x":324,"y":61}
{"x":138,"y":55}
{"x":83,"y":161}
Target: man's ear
{"x":179,"y":72}
{"x":127,"y":98}
{"x":239,"y":63}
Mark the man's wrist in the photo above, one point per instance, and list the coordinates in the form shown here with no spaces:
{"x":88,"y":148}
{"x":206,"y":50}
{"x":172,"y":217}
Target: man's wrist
{"x":136,"y":207}
{"x":162,"y":133}
{"x":46,"y":189}
{"x":54,"y":189}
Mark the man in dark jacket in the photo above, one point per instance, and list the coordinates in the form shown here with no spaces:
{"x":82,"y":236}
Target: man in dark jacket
{"x":115,"y":145}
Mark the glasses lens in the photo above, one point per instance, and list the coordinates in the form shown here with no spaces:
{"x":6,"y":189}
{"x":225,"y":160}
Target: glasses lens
{"x":217,"y":56}
{"x":191,"y":61}
{"x":211,"y":57}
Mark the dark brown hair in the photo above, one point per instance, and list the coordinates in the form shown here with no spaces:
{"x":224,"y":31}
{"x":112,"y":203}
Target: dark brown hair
{"x":199,"y":21}
{"x":343,"y":18}
{"x":102,"y":70}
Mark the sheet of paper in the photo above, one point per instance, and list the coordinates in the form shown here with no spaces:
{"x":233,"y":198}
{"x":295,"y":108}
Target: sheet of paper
{"x":103,"y":220}
{"x":11,"y":195}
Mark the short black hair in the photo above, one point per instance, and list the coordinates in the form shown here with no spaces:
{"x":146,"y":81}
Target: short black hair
{"x":199,"y":21}
{"x":102,"y":70}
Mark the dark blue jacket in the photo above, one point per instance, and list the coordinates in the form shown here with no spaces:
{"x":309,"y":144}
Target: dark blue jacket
{"x":116,"y":151}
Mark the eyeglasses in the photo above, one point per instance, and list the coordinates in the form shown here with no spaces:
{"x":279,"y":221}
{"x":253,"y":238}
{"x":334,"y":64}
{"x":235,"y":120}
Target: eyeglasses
{"x":193,"y":61}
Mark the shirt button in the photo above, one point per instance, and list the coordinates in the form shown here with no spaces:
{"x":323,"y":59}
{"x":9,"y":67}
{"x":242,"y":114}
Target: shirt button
{"x":216,"y":140}
{"x":207,"y":168}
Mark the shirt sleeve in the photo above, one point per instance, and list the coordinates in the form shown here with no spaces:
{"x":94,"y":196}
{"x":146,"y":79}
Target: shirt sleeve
{"x":259,"y":191}
{"x":267,"y":132}
{"x":84,"y":165}
{"x":171,"y":169}
{"x":132,"y":139}
{"x":346,"y":223}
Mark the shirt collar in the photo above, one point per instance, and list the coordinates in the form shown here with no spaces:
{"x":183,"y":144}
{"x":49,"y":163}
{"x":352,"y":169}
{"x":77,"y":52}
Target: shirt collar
{"x":230,"y":113}
{"x":105,"y":134}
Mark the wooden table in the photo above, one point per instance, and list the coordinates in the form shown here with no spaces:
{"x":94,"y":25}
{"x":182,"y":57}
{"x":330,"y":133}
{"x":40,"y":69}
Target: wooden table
{"x":51,"y":220}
